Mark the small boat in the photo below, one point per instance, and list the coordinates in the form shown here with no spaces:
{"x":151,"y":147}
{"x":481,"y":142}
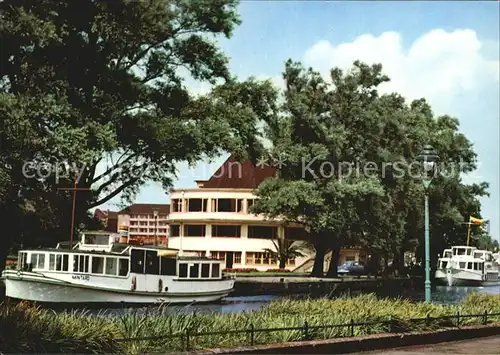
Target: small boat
{"x":100,"y":269}
{"x":467,"y":266}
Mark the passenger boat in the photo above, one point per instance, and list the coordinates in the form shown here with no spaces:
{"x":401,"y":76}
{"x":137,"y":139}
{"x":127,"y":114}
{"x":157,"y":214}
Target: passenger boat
{"x":467,"y":266}
{"x":100,"y":269}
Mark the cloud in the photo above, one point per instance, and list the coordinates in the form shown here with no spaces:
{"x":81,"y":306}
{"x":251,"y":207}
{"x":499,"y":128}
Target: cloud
{"x":439,"y":65}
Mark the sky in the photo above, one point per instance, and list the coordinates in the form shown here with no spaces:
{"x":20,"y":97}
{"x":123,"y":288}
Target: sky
{"x":445,"y":51}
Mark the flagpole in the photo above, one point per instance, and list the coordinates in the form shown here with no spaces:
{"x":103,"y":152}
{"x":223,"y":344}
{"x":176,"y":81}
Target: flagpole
{"x":468,"y":232}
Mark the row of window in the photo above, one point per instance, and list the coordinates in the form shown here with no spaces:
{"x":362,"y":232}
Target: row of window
{"x":148,"y":216}
{"x":216,"y":204}
{"x":145,"y":230}
{"x":234,"y":231}
{"x":471,"y":266}
{"x":151,"y":224}
{"x":80,"y":263}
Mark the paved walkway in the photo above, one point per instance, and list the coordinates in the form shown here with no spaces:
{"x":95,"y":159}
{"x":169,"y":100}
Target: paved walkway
{"x":483,"y":346}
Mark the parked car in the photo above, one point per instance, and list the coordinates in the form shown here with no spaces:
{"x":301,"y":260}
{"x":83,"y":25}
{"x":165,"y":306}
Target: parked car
{"x":351,"y":268}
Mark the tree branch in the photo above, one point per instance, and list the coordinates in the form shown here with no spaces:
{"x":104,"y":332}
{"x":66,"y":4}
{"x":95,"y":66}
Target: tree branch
{"x":114,"y":193}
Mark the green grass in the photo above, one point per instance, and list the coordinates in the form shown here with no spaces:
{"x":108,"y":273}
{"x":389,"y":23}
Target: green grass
{"x":27,"y":329}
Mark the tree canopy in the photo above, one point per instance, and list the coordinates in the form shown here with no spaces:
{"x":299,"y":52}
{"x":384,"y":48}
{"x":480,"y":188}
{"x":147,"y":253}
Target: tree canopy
{"x":349,"y":175}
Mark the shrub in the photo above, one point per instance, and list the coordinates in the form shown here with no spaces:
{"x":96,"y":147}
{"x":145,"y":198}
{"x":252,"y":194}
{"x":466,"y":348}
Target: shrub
{"x":278,"y":270}
{"x":241,"y":270}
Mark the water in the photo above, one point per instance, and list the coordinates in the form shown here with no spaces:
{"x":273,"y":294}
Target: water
{"x":440,"y":295}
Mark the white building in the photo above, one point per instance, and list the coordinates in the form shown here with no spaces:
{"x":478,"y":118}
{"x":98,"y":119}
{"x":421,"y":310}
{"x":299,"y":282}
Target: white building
{"x":214,"y":219}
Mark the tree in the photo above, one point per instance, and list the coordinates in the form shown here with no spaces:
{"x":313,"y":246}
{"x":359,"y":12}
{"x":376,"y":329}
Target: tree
{"x":100,"y":87}
{"x":328,"y":131}
{"x":284,"y":250}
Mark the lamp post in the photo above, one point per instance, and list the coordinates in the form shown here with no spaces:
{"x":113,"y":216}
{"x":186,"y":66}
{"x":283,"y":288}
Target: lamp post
{"x":428,"y":158}
{"x":155,"y":214}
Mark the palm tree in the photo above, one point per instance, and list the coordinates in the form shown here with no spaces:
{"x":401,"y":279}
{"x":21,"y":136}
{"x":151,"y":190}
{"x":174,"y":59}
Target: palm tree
{"x":284,"y":249}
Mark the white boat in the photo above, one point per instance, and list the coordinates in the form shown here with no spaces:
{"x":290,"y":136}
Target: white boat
{"x":467,"y":266}
{"x":101,"y":270}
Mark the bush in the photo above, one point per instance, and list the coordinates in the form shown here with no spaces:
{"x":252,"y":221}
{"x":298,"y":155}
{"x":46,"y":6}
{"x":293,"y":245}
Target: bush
{"x":278,"y":270}
{"x":240,"y":270}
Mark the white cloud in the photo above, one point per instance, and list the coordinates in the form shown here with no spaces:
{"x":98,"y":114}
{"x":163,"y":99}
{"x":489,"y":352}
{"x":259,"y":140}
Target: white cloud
{"x":439,"y":65}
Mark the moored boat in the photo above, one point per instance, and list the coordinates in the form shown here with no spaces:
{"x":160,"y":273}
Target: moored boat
{"x":467,"y":266}
{"x":99,"y":269}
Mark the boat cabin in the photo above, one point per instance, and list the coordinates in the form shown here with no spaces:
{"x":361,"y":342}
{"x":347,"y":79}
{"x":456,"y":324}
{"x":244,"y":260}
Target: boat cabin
{"x":476,"y":265}
{"x":462,"y":251}
{"x":483,"y":254}
{"x":131,"y":259}
{"x":447,"y":253}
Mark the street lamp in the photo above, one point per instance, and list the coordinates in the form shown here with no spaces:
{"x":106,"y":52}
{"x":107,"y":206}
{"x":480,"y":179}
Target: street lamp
{"x":428,"y":158}
{"x":155,"y":214}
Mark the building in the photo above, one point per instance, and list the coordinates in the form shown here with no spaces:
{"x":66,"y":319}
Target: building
{"x":145,"y":221}
{"x":213,"y":219}
{"x":108,"y":218}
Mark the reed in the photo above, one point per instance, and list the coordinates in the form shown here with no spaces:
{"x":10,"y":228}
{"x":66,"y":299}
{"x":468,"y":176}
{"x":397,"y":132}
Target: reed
{"x":25,"y":328}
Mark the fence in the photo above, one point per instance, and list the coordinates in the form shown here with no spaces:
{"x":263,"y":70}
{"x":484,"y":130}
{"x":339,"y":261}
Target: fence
{"x":306,"y":330}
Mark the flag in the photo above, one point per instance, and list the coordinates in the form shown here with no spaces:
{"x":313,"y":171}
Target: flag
{"x":475,"y":220}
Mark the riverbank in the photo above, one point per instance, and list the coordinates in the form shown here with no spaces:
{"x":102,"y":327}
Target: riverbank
{"x":332,"y":287}
{"x":39,"y":330}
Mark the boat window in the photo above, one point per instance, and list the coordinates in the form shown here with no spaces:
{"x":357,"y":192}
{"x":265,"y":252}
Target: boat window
{"x":488,"y":257}
{"x":123,"y":267}
{"x":447,"y":254}
{"x":111,"y":266}
{"x":22,"y":261}
{"x":58,"y":262}
{"x":462,"y":265}
{"x":97,"y":264}
{"x":469,"y":266}
{"x":469,"y":251}
{"x":52,"y":261}
{"x":444,"y":264}
{"x":137,"y":261}
{"x":216,"y":270}
{"x":183,"y":270}
{"x":205,"y":270}
{"x":194,"y":270}
{"x":65,"y":262}
{"x":460,"y":251}
{"x":81,"y":263}
{"x":167,"y":266}
{"x":38,"y":261}
{"x":152,"y":263}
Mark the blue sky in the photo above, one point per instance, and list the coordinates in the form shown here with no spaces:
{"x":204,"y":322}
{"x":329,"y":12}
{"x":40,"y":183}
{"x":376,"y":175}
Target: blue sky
{"x":445,"y":51}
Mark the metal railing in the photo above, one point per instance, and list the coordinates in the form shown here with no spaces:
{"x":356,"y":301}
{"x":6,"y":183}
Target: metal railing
{"x":392,"y":326}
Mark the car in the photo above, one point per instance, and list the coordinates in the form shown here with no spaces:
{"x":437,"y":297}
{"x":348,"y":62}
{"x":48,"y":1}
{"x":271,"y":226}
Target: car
{"x":351,"y":268}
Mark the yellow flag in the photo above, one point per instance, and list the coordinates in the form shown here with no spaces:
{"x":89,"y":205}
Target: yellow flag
{"x":475,"y":220}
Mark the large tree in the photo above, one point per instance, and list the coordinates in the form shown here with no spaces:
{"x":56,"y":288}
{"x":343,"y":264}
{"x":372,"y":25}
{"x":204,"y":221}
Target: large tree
{"x":348,"y":172}
{"x":101,"y":87}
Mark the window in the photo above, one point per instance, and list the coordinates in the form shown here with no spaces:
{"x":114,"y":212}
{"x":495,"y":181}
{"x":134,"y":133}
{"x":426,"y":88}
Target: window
{"x":58,"y":262}
{"x":462,"y":265}
{"x":447,"y":254}
{"x":295,"y":233}
{"x":205,"y":270}
{"x":469,"y":251}
{"x":216,"y":270}
{"x":459,"y":251}
{"x":38,"y":261}
{"x":123,"y":267}
{"x":81,"y":263}
{"x":21,"y":261}
{"x":226,"y":231}
{"x":237,"y":257}
{"x":65,"y":264}
{"x":194,"y":270}
{"x":183,"y":270}
{"x":167,"y":266}
{"x":197,"y":205}
{"x":291,"y":261}
{"x":264,"y":232}
{"x":444,"y":264}
{"x":194,"y":230}
{"x":152,"y":263}
{"x":97,"y":265}
{"x":111,"y":266}
{"x":249,"y":258}
{"x":350,"y":258}
{"x":137,"y":261}
{"x":469,"y":266}
{"x":175,"y":230}
{"x":250,"y":203}
{"x":227,"y":205}
{"x":218,"y":255}
{"x":52,"y":261}
{"x":176,"y":205}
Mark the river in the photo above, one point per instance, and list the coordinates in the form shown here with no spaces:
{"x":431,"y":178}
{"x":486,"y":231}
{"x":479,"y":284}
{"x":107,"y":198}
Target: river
{"x":441,"y":295}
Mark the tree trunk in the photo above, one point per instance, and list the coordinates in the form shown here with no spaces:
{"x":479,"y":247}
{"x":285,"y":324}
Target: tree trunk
{"x":334,"y":263}
{"x":319,"y":261}
{"x":282,"y":264}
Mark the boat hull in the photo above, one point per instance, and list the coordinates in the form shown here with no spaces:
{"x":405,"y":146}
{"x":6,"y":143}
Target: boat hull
{"x":458,"y":277}
{"x":58,"y":292}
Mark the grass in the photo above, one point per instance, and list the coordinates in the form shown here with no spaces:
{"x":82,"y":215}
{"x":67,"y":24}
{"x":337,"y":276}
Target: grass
{"x":43,"y":331}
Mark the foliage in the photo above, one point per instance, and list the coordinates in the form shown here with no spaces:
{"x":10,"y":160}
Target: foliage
{"x":285,"y":249}
{"x":40,"y":330}
{"x":348,"y":174}
{"x":98,"y":90}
